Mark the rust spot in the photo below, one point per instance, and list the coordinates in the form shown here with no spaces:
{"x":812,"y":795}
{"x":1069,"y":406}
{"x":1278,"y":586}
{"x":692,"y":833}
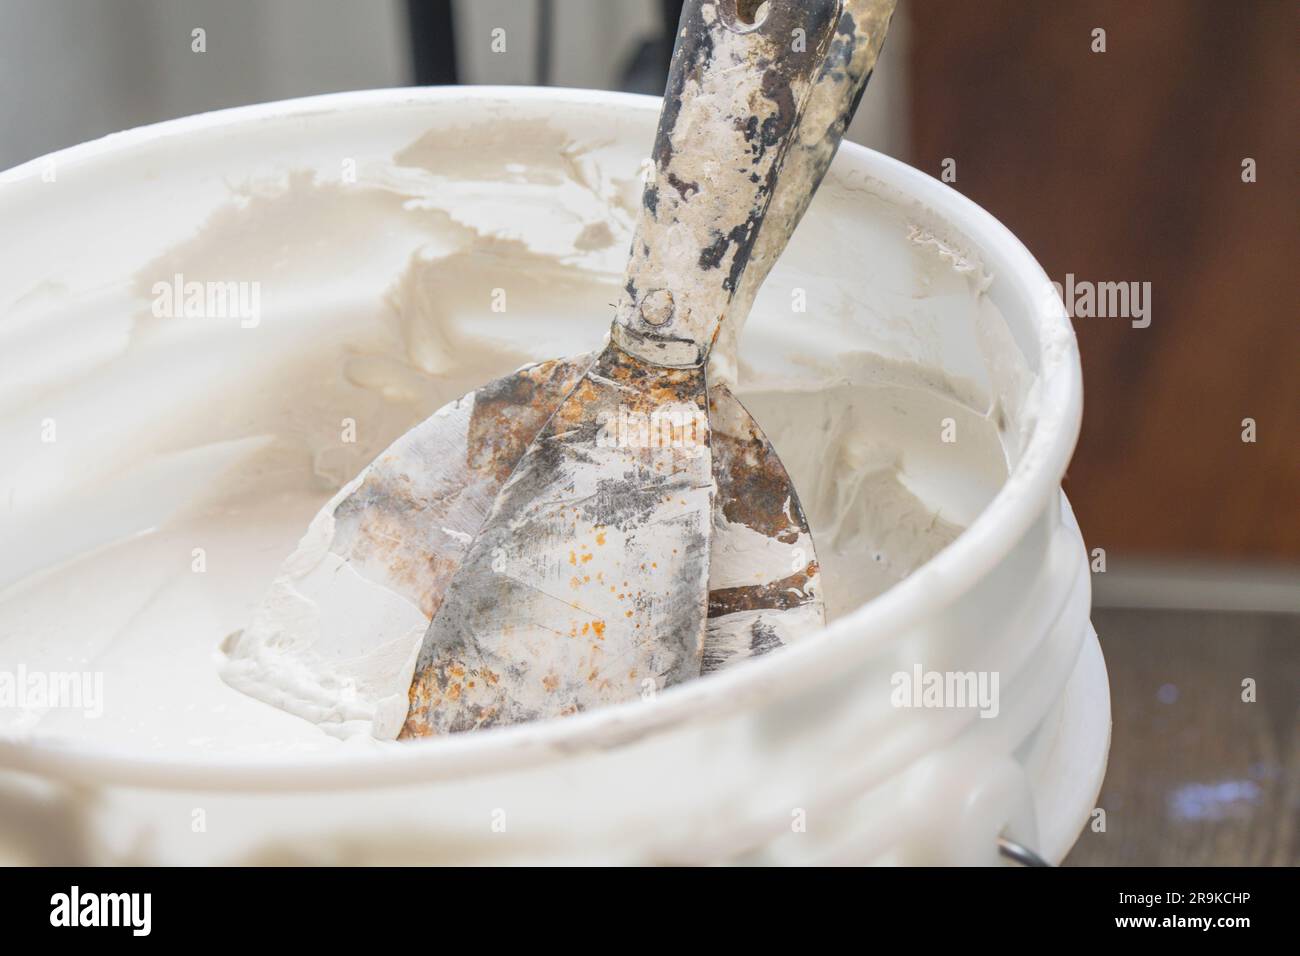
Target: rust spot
{"x":779,"y":595}
{"x":754,"y":489}
{"x":509,"y":412}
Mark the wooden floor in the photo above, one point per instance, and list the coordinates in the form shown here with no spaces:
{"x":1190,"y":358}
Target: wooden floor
{"x":1197,"y":775}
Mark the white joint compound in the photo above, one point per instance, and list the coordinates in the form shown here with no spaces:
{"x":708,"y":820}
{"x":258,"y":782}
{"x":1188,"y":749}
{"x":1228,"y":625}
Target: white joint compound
{"x":406,"y":246}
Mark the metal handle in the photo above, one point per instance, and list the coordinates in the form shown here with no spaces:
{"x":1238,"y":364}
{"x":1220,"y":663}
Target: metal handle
{"x":834,"y":99}
{"x":737,"y":88}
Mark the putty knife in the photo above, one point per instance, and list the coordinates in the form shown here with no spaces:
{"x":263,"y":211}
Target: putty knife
{"x":589,"y":581}
{"x":586,"y":529}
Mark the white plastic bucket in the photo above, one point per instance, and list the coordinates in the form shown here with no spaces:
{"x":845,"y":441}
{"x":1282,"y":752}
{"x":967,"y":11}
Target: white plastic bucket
{"x":801,"y":756}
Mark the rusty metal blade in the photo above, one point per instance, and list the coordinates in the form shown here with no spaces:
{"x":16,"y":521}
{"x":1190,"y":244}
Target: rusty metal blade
{"x":406,"y":522}
{"x":334,"y":639}
{"x":764,"y":579}
{"x":587,"y":584}
{"x":402,"y":528}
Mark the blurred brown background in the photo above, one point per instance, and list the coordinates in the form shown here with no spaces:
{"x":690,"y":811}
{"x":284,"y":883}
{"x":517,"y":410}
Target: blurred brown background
{"x":1127,"y":166}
